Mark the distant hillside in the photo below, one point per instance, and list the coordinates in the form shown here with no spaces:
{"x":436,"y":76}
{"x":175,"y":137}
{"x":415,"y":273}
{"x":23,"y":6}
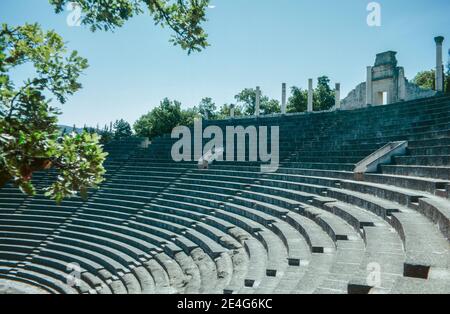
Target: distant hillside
{"x":69,"y":129}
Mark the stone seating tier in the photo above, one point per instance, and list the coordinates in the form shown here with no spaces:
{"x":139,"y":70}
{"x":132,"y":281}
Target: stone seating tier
{"x":156,"y":226}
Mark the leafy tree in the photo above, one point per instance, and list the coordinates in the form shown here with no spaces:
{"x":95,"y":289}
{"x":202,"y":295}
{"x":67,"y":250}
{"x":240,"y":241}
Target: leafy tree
{"x":207,"y":109}
{"x":225,"y":111}
{"x":425,"y":79}
{"x":247,"y":98}
{"x":323,"y":94}
{"x":271,"y":106}
{"x":188,"y":116}
{"x":323,"y":97}
{"x":162,"y":119}
{"x":106,"y":135}
{"x":30,"y":139}
{"x":183,"y":17}
{"x":298,"y":101}
{"x":122,"y":129}
{"x":143,"y":126}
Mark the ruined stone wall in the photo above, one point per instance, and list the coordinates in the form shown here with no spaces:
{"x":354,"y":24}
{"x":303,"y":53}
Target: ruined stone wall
{"x":355,"y":99}
{"x":384,"y":76}
{"x":415,"y":92}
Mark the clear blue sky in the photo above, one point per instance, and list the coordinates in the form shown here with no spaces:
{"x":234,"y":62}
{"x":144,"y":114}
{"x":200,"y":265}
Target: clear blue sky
{"x":253,"y":42}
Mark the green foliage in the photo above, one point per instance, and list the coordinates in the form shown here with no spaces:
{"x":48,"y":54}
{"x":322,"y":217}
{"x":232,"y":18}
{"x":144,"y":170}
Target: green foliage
{"x":225,"y":111}
{"x":207,"y":109}
{"x":162,"y":119}
{"x":426,"y":79}
{"x":247,"y":99}
{"x":271,"y":106}
{"x":298,"y":101}
{"x":79,"y":158}
{"x":169,"y":114}
{"x":188,"y":116}
{"x":323,"y":95}
{"x":184,"y":17}
{"x":122,"y":129}
{"x":106,"y":135}
{"x":30,"y":139}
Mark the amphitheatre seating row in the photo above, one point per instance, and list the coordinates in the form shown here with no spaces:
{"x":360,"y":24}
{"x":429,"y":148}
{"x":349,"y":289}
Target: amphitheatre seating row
{"x":156,"y":226}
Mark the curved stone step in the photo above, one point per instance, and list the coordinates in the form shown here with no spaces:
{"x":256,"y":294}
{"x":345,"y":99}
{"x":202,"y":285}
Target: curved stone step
{"x":317,"y":239}
{"x":383,"y":253}
{"x":175,"y":273}
{"x":425,"y":247}
{"x":242,"y":260}
{"x":9,"y":284}
{"x":91,"y":282}
{"x":208,"y":271}
{"x":192,"y":277}
{"x":408,"y":182}
{"x":160,"y":277}
{"x":171,"y":214}
{"x":46,"y":281}
{"x":405,"y":285}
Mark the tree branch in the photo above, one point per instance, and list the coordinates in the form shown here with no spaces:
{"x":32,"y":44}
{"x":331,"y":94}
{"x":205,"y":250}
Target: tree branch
{"x":11,"y":103}
{"x":168,"y":19}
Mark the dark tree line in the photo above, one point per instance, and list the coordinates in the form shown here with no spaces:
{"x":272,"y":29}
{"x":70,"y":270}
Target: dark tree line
{"x":427,"y":79}
{"x":169,"y":114}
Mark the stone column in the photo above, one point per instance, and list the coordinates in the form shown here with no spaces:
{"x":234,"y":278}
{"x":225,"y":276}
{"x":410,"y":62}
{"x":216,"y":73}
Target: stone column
{"x":258,"y":101}
{"x":401,"y":84}
{"x":369,"y":95}
{"x":310,"y":95}
{"x":232,"y":111}
{"x":439,"y":64}
{"x":283,"y":98}
{"x":337,"y":96}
